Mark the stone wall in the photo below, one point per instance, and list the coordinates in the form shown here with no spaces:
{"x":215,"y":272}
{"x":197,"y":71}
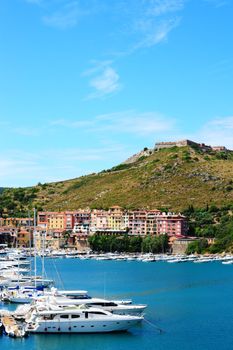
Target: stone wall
{"x":137,"y":156}
{"x":181,"y":143}
{"x":179,"y":246}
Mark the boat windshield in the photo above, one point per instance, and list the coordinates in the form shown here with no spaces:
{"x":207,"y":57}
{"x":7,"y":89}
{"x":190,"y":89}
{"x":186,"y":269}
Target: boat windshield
{"x":103,"y":304}
{"x":81,"y":296}
{"x":48,"y":317}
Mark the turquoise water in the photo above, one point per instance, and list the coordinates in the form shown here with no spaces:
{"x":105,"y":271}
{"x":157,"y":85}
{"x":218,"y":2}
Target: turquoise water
{"x":191,"y":303}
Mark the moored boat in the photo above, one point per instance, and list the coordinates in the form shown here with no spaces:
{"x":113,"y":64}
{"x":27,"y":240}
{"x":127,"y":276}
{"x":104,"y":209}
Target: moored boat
{"x":77,"y":320}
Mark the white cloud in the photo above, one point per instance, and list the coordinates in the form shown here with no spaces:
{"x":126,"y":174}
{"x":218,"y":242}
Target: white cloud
{"x":216,"y":132}
{"x":149,"y":22}
{"x":97,"y":66}
{"x":26,"y":131}
{"x":162,"y":7}
{"x":19,"y":168}
{"x":157,"y":33}
{"x":105,"y":83}
{"x":130,"y":121}
{"x":66,"y":17}
{"x":136,"y":123}
{"x":156,"y":19}
{"x":71,"y":124}
{"x":104,"y":80}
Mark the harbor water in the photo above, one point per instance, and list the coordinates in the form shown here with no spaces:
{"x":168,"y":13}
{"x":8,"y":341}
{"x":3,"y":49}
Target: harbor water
{"x":190,"y":306}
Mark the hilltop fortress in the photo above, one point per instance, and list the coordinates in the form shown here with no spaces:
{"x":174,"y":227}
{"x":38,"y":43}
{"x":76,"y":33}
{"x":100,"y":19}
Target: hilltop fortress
{"x":182,"y":143}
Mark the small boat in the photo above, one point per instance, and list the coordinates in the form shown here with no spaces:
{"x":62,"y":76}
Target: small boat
{"x":228,"y":262}
{"x":203,"y":260}
{"x":174,"y":261}
{"x":13,"y":328}
{"x":148,"y":260}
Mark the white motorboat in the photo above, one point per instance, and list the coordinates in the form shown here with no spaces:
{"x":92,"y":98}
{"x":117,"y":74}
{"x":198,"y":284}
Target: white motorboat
{"x":148,"y":260}
{"x":52,"y":319}
{"x":174,"y":261}
{"x":228,"y":262}
{"x":79,"y":297}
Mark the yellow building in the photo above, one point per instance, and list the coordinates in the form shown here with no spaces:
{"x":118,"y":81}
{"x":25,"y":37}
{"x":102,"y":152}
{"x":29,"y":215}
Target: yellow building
{"x":115,"y":218}
{"x":56,"y":221}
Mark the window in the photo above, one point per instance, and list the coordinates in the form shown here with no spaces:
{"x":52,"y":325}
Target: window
{"x":75,"y":316}
{"x":96,"y":313}
{"x":48,"y":317}
{"x":64,"y":316}
{"x":103,"y":304}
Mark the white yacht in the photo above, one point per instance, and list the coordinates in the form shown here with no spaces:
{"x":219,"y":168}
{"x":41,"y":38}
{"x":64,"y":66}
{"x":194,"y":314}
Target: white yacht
{"x":76,"y":320}
{"x":120,"y":307}
{"x":108,"y":305}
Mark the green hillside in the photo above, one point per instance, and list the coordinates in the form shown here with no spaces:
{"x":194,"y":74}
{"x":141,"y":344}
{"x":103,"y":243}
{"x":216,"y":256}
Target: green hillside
{"x":172,"y":178}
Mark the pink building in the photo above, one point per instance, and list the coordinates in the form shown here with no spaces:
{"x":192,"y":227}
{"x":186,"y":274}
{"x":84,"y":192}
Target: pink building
{"x":171,"y":224}
{"x":137,"y":222}
{"x":69,"y":220}
{"x":82,"y":217}
{"x":99,"y":220}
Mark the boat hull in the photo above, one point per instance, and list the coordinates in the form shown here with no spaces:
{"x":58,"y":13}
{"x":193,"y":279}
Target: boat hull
{"x":83,"y":327}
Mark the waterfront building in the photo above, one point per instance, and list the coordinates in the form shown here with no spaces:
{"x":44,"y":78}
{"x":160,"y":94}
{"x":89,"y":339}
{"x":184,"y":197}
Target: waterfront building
{"x":68,"y":220}
{"x":16,"y":222}
{"x":143,"y":222}
{"x":42,"y":219}
{"x":23,"y":238}
{"x":151,"y":222}
{"x":82,"y":216}
{"x":116,"y":219}
{"x":99,"y":220}
{"x":171,"y":224}
{"x":56,"y":221}
{"x":137,"y":222}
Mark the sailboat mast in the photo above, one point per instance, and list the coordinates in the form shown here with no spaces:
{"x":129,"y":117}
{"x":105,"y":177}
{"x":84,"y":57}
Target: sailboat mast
{"x":34,"y":241}
{"x":30,"y":241}
{"x":43,"y":253}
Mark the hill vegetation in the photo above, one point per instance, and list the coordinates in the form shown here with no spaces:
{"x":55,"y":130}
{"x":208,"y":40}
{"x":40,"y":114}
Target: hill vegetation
{"x":211,"y":222}
{"x":173,"y":179}
{"x":129,"y":244}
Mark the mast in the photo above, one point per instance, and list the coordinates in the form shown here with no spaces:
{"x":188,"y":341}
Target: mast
{"x":30,"y":242}
{"x":34,"y":241}
{"x":43,"y":253}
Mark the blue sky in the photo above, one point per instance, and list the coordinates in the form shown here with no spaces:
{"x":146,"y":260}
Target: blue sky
{"x":84,"y":84}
